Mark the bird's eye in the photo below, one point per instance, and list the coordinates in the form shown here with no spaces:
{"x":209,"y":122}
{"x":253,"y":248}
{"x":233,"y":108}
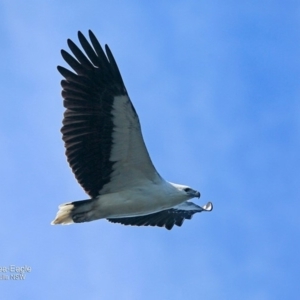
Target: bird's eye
{"x":187,"y":189}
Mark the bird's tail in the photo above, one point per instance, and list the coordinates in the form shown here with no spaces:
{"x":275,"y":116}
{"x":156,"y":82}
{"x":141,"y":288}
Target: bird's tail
{"x":73,"y":212}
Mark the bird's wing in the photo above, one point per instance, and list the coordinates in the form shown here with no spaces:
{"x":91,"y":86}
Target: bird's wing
{"x":101,"y":129}
{"x":166,"y":218}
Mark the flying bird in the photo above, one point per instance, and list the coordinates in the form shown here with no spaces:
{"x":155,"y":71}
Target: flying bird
{"x":106,"y":150}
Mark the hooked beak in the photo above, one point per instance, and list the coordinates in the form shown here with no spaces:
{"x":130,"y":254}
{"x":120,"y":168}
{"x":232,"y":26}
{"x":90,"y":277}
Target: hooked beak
{"x":195,"y":194}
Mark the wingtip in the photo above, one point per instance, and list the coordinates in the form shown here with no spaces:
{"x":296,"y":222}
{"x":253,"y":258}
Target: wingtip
{"x":70,"y":43}
{"x":106,"y":48}
{"x":208,"y":206}
{"x":91,"y":35}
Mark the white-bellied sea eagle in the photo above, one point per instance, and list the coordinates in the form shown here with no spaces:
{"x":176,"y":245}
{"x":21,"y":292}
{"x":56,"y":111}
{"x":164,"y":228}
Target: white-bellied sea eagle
{"x":106,"y":150}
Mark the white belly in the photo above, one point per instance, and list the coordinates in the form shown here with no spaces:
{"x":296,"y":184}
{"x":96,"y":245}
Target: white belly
{"x":138,"y":201}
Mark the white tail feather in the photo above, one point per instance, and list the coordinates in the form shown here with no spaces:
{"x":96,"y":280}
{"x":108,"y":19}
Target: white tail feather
{"x":64,"y":215}
{"x":74,"y":212}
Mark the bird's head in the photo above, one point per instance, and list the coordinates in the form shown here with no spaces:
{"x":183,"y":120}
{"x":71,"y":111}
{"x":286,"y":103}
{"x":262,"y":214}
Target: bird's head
{"x":186,"y":191}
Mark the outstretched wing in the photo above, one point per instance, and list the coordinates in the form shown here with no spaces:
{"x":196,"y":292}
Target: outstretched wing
{"x":101,"y":130}
{"x":166,"y":218}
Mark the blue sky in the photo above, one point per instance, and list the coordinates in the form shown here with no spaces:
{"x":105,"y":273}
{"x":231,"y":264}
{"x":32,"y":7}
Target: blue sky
{"x":217,"y":88}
